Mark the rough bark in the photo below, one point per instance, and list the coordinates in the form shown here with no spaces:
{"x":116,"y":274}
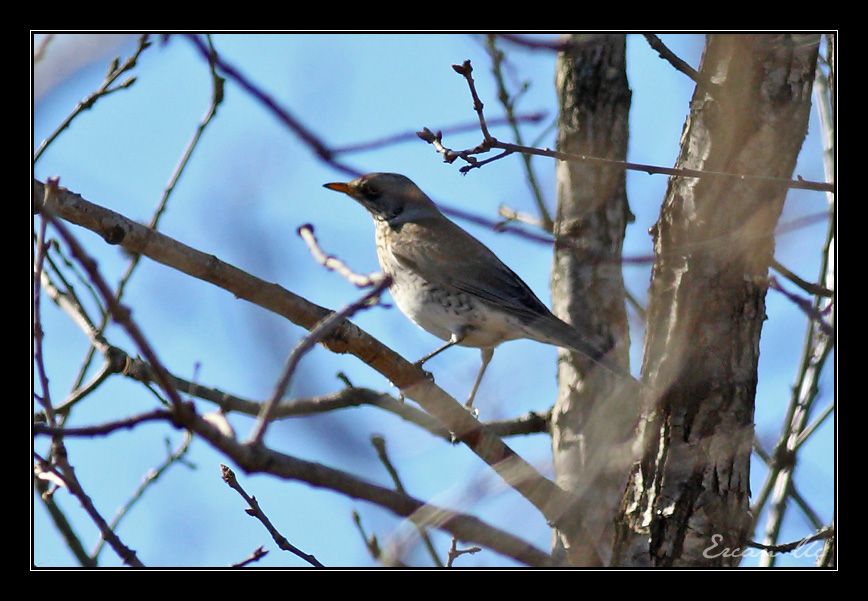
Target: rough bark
{"x":589,"y":424}
{"x":687,"y":498}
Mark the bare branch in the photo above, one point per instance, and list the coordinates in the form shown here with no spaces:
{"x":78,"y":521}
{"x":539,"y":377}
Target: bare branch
{"x":259,"y":459}
{"x":379,"y":282}
{"x":466,"y":70}
{"x":455,"y":552}
{"x":296,"y":126}
{"x":550,"y":499}
{"x":257,"y":554}
{"x":812,"y":427}
{"x":410,"y":136}
{"x":372,"y":544}
{"x":805,"y":285}
{"x":380,"y":445}
{"x":39,"y":52}
{"x":106,"y":428}
{"x":217,"y":84}
{"x":173,"y":457}
{"x":119,"y":362}
{"x":38,"y":334}
{"x":822,"y":534}
{"x":332,"y":263}
{"x":67,"y":475}
{"x":256,"y":512}
{"x":508,"y":105}
{"x":105,"y":89}
{"x":120,"y":313}
{"x":63,"y":526}
{"x":490,"y":143}
{"x":680,"y":65}
{"x":806,"y":306}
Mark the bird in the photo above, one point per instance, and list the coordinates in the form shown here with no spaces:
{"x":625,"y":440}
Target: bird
{"x":452,"y":285}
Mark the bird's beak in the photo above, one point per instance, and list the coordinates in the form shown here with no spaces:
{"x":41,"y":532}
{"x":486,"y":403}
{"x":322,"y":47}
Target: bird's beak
{"x":338,"y":187}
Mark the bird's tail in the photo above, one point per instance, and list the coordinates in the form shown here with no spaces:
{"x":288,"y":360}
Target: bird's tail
{"x":551,"y":330}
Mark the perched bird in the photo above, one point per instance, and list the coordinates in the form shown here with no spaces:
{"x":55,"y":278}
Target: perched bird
{"x":451,"y":284}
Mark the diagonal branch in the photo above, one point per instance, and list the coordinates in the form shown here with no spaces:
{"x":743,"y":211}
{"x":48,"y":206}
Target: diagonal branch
{"x":256,"y":512}
{"x":680,"y":65}
{"x":550,"y":499}
{"x":115,"y":71}
{"x":379,"y":444}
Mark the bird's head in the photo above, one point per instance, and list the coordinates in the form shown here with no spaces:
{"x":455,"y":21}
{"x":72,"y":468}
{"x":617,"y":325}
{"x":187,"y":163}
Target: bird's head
{"x":388,"y":197}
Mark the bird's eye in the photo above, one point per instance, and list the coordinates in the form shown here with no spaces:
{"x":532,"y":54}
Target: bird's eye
{"x":368,"y":191}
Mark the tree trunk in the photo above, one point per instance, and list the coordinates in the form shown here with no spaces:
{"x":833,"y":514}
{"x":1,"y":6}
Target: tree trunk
{"x":687,"y":498}
{"x":589,"y":427}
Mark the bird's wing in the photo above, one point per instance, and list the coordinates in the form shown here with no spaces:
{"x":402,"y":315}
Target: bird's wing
{"x":466,"y":265}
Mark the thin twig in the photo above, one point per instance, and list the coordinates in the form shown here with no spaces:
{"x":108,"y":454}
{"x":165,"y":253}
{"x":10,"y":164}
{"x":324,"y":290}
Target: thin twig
{"x":320,"y":331}
{"x":680,"y":65}
{"x":307,"y":136}
{"x":805,"y":285}
{"x":466,"y":70}
{"x":372,"y":544}
{"x":455,"y":552}
{"x":332,"y":263}
{"x":70,"y":481}
{"x":257,"y":554}
{"x":173,"y":457}
{"x":256,"y":512}
{"x":38,"y":333}
{"x":489,"y":143}
{"x":217,"y":87}
{"x":104,"y":90}
{"x":379,"y":444}
{"x":812,"y":427}
{"x":106,"y":428}
{"x":41,"y":49}
{"x":807,"y":307}
{"x":79,"y":394}
{"x":70,"y":290}
{"x":509,"y":106}
{"x":63,"y":526}
{"x":792,"y":491}
{"x":410,"y":136}
{"x":822,"y":534}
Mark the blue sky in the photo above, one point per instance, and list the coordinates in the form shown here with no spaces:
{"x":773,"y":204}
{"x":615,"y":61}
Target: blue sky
{"x":250,"y":184}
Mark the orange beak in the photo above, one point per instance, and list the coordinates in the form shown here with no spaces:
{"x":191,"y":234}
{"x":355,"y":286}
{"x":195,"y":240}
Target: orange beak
{"x":338,"y":187}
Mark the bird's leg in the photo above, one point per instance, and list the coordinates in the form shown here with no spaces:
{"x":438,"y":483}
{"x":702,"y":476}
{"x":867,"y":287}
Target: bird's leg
{"x":456,"y":339}
{"x":487,"y":354}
